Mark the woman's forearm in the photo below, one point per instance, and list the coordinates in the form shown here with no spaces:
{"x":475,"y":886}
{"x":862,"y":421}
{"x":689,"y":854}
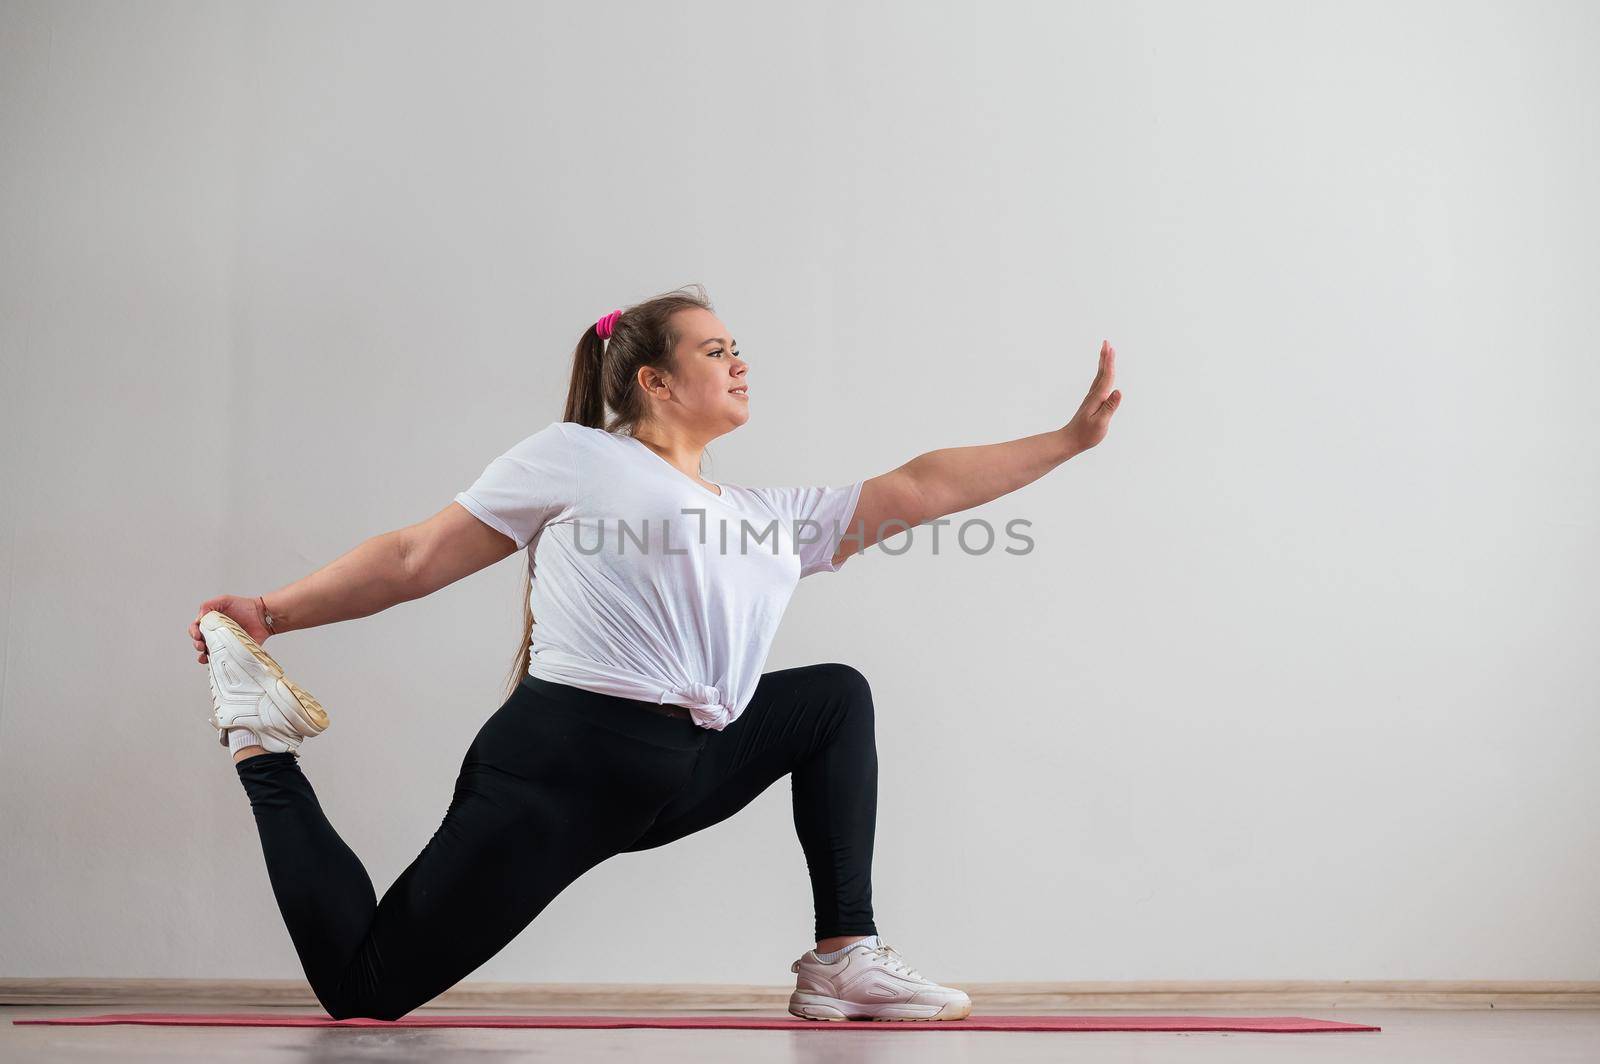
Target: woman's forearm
{"x":953,"y":479}
{"x":364,"y":581}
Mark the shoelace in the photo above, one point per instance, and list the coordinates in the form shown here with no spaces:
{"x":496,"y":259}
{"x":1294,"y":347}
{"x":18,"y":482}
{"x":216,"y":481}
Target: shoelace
{"x":892,"y":958}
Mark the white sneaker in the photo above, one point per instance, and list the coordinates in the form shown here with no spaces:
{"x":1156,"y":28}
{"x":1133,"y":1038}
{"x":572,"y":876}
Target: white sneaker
{"x":249,"y":690}
{"x":871,"y":984}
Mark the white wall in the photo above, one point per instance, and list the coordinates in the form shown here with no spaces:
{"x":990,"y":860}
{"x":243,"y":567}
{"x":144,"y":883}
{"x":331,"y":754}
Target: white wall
{"x":1299,"y":682}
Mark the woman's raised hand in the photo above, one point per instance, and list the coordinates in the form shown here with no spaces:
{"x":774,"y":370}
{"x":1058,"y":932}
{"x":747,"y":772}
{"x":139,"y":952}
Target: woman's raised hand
{"x":246,"y":611}
{"x":1093,"y":419}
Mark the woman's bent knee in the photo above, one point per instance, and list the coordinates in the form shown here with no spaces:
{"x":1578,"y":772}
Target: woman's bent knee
{"x":383,"y":999}
{"x":376,"y":1009}
{"x":856,"y":690}
{"x":849,"y":681}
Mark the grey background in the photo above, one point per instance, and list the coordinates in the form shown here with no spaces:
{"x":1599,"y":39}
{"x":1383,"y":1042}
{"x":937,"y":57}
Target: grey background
{"x":1298,"y":682}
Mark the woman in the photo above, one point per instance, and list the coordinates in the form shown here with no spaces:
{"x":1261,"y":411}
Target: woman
{"x":638,"y":712}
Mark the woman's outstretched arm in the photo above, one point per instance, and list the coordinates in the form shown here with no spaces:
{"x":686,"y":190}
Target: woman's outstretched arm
{"x":385,"y":570}
{"x":953,"y":479}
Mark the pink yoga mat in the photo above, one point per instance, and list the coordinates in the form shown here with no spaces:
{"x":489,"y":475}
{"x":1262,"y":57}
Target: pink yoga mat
{"x":1263,"y":1024}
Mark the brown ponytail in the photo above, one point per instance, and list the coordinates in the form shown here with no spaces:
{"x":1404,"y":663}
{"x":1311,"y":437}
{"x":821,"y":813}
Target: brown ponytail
{"x":605,"y":376}
{"x":585,"y":403}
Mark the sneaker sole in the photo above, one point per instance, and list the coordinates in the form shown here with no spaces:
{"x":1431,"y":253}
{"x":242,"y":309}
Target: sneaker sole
{"x":818,"y":1007}
{"x":309,"y":710}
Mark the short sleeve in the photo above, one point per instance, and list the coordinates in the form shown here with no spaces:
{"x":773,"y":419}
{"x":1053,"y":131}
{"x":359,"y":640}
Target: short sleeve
{"x":533,"y":483}
{"x":819,"y":519}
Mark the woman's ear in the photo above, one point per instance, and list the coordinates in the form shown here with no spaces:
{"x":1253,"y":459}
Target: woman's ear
{"x":653,"y":381}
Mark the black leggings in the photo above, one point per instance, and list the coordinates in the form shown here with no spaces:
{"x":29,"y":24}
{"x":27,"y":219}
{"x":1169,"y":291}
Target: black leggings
{"x":558,"y":780}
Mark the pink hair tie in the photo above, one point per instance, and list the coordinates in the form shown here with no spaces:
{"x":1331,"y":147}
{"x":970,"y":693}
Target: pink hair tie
{"x":602,"y":328}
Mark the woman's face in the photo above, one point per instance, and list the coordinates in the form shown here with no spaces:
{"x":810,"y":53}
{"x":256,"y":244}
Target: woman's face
{"x":708,"y":385}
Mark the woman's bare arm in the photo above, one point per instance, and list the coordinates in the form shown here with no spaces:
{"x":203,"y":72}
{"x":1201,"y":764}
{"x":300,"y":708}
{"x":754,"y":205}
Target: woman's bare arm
{"x":953,"y":479}
{"x":383,"y":571}
{"x":389,"y":569}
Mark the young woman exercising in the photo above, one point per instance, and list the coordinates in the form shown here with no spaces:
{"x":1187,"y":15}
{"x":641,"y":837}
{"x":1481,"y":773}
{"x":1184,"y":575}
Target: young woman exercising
{"x":638,"y":711}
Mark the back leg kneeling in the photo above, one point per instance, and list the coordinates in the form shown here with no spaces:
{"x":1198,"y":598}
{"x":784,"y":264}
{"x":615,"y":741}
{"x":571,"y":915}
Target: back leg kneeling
{"x":498,"y":859}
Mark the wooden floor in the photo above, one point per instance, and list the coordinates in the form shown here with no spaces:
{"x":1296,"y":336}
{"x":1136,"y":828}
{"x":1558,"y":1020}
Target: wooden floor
{"x":1421,"y":1036}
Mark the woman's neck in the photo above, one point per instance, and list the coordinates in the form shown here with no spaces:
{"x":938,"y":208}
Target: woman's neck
{"x":677,"y":447}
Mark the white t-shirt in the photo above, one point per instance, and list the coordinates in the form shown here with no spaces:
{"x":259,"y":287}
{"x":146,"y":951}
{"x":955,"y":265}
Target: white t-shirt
{"x":646,"y":584}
